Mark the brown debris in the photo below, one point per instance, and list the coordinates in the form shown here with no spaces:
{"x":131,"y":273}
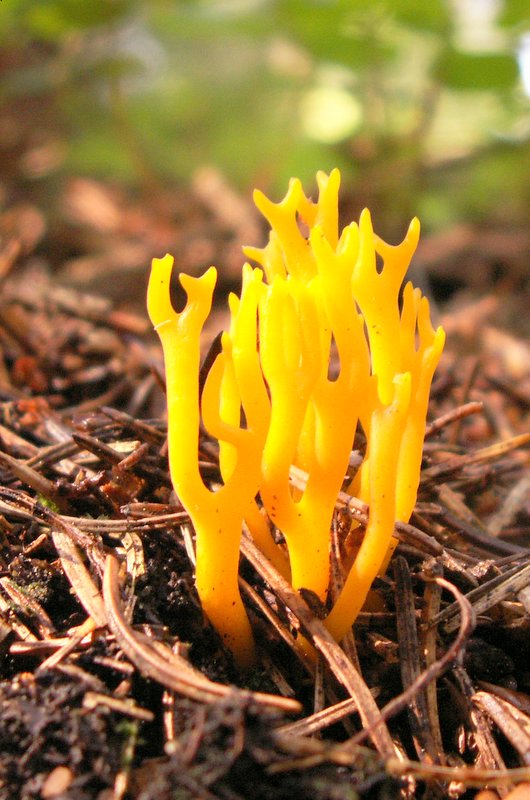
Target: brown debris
{"x":112,"y":683}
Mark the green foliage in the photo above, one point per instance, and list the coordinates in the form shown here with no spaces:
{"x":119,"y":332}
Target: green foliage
{"x":49,"y":20}
{"x":164,"y":87}
{"x":515,"y":13}
{"x":54,"y":18}
{"x":486,"y":71}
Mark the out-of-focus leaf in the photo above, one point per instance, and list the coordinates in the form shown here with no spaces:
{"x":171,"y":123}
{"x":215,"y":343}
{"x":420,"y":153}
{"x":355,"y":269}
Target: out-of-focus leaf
{"x":484,"y":71}
{"x":9,"y":16}
{"x":515,"y":12}
{"x":89,"y":14}
{"x":46,"y":21}
{"x":99,"y":152}
{"x":122,"y":66}
{"x":51,"y":19}
{"x":420,"y":15}
{"x":347,"y":33}
{"x":191,"y":21}
{"x":332,"y":31}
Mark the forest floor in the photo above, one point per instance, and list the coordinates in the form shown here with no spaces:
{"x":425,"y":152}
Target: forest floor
{"x":112,"y":683}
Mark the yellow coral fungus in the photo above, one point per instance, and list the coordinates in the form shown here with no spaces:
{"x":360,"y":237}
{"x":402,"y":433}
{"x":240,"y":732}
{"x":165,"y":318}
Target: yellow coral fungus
{"x":217,"y":516}
{"x":275,"y":402}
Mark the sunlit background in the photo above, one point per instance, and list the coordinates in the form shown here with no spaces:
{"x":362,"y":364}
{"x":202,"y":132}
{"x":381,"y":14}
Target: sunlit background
{"x":423,"y":105}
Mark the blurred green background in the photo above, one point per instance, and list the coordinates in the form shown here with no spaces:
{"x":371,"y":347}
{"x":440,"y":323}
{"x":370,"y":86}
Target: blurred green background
{"x":424,"y":104}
